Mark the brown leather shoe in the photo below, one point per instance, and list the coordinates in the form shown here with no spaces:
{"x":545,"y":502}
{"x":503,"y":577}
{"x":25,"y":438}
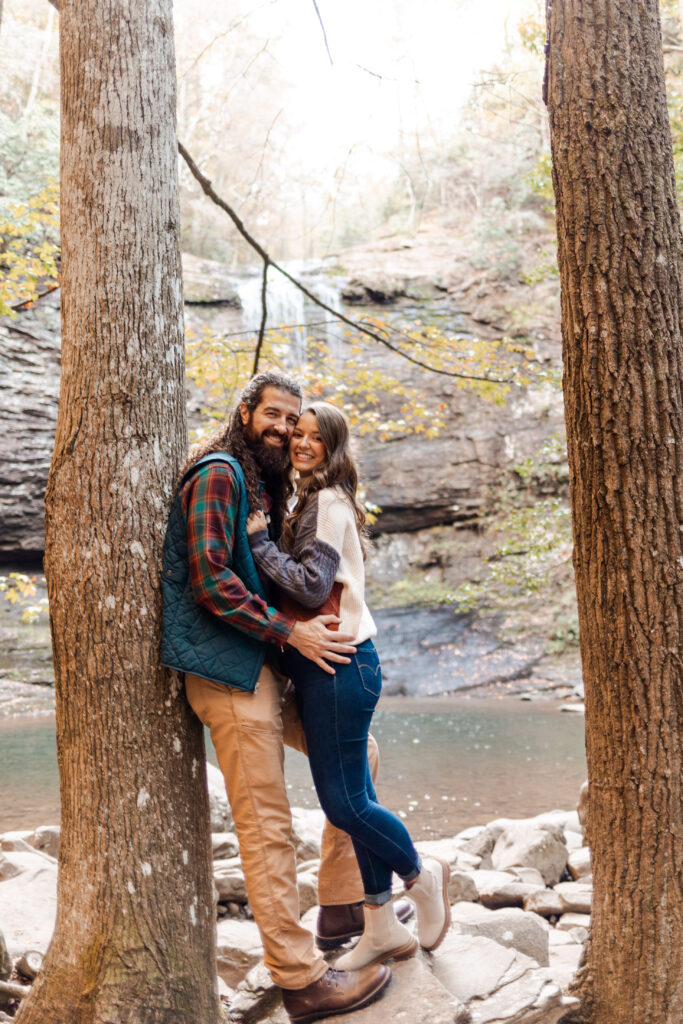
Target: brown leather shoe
{"x":336,"y":992}
{"x":337,"y":924}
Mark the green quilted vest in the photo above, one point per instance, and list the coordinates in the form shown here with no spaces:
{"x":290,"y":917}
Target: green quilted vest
{"x":193,"y":639}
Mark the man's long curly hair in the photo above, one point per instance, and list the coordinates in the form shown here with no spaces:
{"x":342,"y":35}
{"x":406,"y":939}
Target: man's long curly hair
{"x":231,"y":438}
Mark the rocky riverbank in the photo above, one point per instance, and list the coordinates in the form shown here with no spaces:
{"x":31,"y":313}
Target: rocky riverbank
{"x":521,"y":899}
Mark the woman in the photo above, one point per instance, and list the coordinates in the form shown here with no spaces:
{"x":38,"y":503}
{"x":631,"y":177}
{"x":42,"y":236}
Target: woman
{"x":319,"y":568}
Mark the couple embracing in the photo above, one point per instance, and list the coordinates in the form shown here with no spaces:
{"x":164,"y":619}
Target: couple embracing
{"x":264,"y":612}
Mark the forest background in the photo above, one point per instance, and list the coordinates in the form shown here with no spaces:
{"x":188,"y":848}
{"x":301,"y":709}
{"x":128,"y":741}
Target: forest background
{"x":335,"y":150}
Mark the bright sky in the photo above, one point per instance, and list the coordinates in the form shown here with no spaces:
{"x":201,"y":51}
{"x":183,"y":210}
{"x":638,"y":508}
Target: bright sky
{"x":427,"y":52}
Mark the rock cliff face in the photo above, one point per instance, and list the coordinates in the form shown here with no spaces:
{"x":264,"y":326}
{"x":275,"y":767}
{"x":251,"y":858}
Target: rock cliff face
{"x":29,"y":392}
{"x":416,"y":483}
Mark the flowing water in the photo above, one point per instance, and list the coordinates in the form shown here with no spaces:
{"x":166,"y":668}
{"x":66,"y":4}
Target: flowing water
{"x":446,"y":763}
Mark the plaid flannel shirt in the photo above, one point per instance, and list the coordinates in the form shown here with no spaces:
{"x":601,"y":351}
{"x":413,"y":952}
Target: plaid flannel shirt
{"x":209,"y":501}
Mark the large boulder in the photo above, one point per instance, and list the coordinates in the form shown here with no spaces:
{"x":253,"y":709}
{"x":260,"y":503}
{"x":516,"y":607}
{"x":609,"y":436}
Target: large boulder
{"x":28,"y":900}
{"x":529,"y":845}
{"x":307,"y":830}
{"x":579,"y":863}
{"x":576,"y":896}
{"x":527,"y":933}
{"x":502,"y":888}
{"x":498,"y":984}
{"x":228,"y":879}
{"x":219,"y":807}
{"x":238,"y":949}
{"x":224,"y":845}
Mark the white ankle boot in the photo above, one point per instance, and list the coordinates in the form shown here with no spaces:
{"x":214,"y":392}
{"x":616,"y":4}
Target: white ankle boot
{"x":384,"y":938}
{"x":429,"y":893}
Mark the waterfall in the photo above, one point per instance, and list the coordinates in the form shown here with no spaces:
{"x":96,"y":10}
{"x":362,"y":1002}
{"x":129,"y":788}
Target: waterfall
{"x":287,"y":306}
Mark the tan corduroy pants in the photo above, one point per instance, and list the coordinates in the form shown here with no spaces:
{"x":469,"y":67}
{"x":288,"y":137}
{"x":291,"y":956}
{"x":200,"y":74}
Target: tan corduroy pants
{"x":248,"y":731}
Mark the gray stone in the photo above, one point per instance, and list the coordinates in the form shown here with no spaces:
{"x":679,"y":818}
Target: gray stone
{"x":566,"y":821}
{"x":29,"y":393}
{"x":207,"y":281}
{"x":414,"y":996}
{"x":576,"y":896}
{"x":21,"y":846}
{"x":5,"y":960}
{"x":512,"y":894}
{"x":579,"y":863}
{"x":564,"y":961}
{"x":219,"y":807}
{"x":498,"y":985}
{"x":307,"y":830}
{"x":28,"y":901}
{"x":229,"y":880}
{"x":532,"y":876}
{"x":445,"y":849}
{"x":7,"y":868}
{"x":573,"y":840}
{"x":572,"y":920}
{"x":238,"y":949}
{"x":46,"y":839}
{"x":255,"y":996}
{"x":461,"y":887}
{"x":510,"y":926}
{"x":545,"y":902}
{"x":307,"y":884}
{"x":224,"y":845}
{"x":526,"y":845}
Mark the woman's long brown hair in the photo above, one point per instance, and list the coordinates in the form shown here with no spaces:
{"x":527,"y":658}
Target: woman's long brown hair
{"x":339,"y":470}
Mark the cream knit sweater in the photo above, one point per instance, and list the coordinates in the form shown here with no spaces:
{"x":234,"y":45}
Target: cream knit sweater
{"x":327,"y":550}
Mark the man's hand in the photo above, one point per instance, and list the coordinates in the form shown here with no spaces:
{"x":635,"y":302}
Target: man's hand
{"x":257,"y":521}
{"x":315,"y":641}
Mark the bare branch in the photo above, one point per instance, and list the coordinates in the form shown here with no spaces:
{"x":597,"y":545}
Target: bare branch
{"x":27,"y":303}
{"x":55,"y":4}
{"x":264,"y":317}
{"x":322,"y":26}
{"x":221,"y":35}
{"x":12,"y":991}
{"x":209,"y":191}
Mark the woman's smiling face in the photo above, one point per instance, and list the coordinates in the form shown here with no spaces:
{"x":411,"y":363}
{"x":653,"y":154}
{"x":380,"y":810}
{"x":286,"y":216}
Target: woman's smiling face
{"x":306,"y":450}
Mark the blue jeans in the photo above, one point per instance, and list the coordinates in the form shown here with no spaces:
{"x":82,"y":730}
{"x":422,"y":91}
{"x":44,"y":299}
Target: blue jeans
{"x":336,"y":713}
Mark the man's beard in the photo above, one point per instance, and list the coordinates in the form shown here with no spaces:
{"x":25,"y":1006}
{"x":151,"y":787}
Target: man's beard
{"x":271,"y":459}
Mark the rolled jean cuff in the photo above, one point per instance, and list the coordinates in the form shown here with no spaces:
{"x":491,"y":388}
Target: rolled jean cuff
{"x":378,"y":899}
{"x":413,"y":874}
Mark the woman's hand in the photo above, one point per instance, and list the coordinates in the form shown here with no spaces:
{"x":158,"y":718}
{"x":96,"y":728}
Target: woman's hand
{"x":257,"y":521}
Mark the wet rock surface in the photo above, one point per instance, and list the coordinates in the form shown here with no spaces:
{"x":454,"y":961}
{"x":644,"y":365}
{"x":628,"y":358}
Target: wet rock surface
{"x":428,"y":651}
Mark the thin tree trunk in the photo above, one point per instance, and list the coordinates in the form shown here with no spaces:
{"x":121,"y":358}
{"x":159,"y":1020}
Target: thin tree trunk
{"x":134,"y":941}
{"x":619,"y":249}
{"x":38,"y":70}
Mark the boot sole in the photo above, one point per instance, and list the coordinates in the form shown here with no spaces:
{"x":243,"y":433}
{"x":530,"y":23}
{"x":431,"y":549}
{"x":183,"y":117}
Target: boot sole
{"x":365,"y":1001}
{"x":447,"y":923}
{"x":402,"y":953}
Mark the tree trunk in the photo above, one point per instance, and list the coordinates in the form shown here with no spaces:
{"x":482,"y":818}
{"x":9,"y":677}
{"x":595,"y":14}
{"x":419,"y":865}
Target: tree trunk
{"x":134,"y":939}
{"x":619,"y":249}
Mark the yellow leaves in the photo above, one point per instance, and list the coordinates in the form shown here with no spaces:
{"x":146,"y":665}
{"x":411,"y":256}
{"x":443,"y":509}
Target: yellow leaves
{"x":18,"y":588}
{"x":28,"y":250}
{"x":349,"y":373}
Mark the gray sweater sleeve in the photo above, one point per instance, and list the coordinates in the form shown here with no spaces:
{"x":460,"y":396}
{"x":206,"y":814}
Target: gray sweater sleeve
{"x":309,"y":576}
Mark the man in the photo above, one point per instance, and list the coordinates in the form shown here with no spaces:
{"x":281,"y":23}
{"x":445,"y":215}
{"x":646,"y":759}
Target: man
{"x":219,"y":629}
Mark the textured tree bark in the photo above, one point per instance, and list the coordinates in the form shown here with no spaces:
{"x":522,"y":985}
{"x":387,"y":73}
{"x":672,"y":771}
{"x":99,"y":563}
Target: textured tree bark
{"x":619,"y":248}
{"x":134,"y":940}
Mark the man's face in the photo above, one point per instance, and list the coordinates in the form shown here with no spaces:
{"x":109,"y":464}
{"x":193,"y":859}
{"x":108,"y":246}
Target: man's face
{"x":269,"y":427}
